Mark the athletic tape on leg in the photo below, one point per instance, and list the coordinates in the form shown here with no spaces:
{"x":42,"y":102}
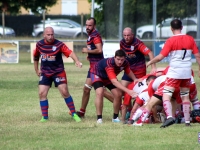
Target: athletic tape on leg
{"x":185,"y":93}
{"x":168,"y":92}
{"x":88,"y":86}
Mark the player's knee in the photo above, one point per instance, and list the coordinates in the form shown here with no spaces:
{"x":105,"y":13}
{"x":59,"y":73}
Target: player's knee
{"x":87,"y":88}
{"x":124,"y":106}
{"x":42,"y":95}
{"x":99,"y":93}
{"x":64,"y":92}
{"x":119,"y":94}
{"x":168,"y":91}
{"x":184,"y":93}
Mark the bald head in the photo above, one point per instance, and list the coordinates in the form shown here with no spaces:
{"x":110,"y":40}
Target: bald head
{"x":128,"y":35}
{"x":49,"y":34}
{"x":47,"y":29}
{"x":128,"y":30}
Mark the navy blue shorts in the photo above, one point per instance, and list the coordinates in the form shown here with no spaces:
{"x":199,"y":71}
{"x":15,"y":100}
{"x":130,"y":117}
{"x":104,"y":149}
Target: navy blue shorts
{"x":88,"y":75}
{"x":58,"y":79}
{"x":126,"y":78}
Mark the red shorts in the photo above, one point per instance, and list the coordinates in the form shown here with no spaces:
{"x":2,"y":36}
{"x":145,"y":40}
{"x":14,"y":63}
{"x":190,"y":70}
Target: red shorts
{"x":176,"y":83}
{"x":127,"y":100}
{"x":193,"y":91}
{"x":177,"y":96}
{"x":127,"y":97}
{"x":192,"y":94}
{"x":159,"y":91}
{"x":176,"y":93}
{"x":139,"y":101}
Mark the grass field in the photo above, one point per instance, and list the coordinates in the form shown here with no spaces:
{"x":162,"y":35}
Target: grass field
{"x":20,"y":128}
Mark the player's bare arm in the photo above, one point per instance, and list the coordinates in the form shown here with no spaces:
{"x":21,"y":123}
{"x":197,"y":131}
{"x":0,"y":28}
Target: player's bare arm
{"x":155,"y":60}
{"x":75,"y":58}
{"x":132,"y":76}
{"x":37,"y":71}
{"x":153,"y":66}
{"x":123,"y":88}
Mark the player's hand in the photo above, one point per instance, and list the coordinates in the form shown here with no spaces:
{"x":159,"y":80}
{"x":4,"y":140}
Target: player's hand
{"x":78,"y":64}
{"x":153,"y":70}
{"x":136,"y":80}
{"x":148,"y":64}
{"x":85,"y":50}
{"x":132,"y":93}
{"x":38,"y":72}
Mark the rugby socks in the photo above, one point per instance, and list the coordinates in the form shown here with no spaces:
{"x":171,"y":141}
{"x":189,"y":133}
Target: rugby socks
{"x":82,"y":112}
{"x":137,"y":114}
{"x":99,"y":117}
{"x":44,"y":108}
{"x":115,"y":116}
{"x":168,"y":108}
{"x":70,"y":103}
{"x":145,"y":114}
{"x":186,"y":111}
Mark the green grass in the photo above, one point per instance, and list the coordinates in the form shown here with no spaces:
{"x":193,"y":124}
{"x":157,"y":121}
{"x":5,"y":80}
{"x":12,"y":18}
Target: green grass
{"x":20,"y":114}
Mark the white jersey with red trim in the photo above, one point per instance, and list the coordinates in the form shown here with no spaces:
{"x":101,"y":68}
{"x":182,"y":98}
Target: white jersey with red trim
{"x":156,"y":83}
{"x":140,"y":86}
{"x":144,"y":96}
{"x":180,"y":48}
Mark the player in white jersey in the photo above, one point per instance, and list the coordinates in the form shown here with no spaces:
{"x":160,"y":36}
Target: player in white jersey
{"x":155,"y":91}
{"x":137,"y":87}
{"x":143,"y":97}
{"x":180,"y":49}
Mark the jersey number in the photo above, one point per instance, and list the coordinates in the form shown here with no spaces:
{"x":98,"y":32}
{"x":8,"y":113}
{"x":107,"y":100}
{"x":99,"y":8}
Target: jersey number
{"x":184,"y":53}
{"x":140,"y":84}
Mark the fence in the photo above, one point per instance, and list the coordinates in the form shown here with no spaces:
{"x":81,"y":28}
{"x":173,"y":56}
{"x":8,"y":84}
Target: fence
{"x":109,"y":48}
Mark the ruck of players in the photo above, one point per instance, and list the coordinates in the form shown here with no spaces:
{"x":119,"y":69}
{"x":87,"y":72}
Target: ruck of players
{"x":144,"y":94}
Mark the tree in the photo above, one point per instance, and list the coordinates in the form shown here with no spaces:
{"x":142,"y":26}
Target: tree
{"x":139,"y":12}
{"x":13,"y":6}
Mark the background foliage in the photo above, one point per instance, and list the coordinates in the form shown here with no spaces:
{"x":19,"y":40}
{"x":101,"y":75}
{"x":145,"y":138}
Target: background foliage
{"x":140,"y":12}
{"x":13,"y":6}
{"x":136,"y":13}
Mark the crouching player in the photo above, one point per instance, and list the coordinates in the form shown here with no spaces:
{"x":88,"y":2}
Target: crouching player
{"x":140,"y":88}
{"x":104,"y":73}
{"x":155,"y":91}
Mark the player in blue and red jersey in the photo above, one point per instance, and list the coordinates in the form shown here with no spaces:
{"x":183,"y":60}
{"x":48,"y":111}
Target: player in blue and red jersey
{"x":104,"y":74}
{"x":95,"y":53}
{"x":136,"y":51}
{"x":52,"y":70}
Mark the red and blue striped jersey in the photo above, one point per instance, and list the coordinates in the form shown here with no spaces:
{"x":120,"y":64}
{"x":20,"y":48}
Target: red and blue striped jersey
{"x":51,"y":56}
{"x":107,"y":69}
{"x":135,"y":52}
{"x":94,"y":38}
